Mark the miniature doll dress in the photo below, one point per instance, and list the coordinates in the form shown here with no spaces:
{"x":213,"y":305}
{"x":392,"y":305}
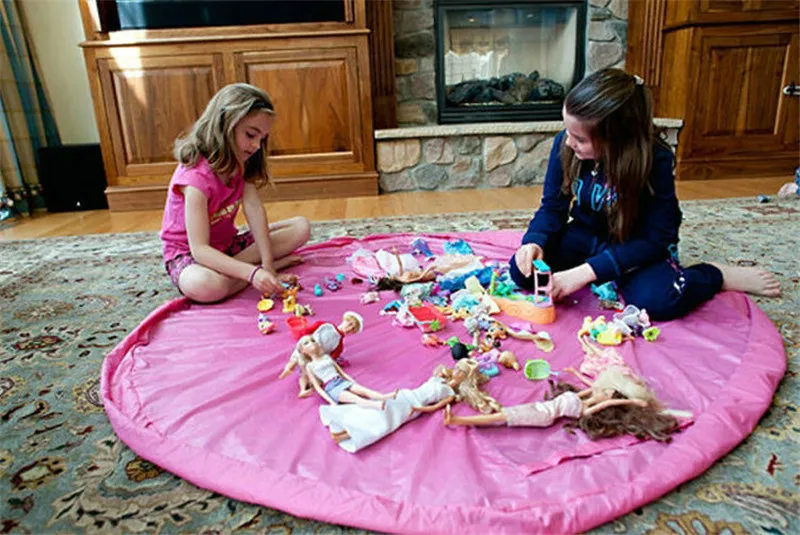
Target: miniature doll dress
{"x":368,"y":425}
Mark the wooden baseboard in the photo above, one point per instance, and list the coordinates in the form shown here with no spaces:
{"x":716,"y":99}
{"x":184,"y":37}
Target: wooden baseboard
{"x":768,"y":166}
{"x":123,"y":199}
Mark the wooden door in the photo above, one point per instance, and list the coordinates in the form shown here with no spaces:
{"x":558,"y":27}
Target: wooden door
{"x":149,"y":101}
{"x":323,"y":124}
{"x":738,"y":109}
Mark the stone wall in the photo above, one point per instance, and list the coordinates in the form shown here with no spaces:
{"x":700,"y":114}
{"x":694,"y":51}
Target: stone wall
{"x":486,"y":155}
{"x":415,"y":48}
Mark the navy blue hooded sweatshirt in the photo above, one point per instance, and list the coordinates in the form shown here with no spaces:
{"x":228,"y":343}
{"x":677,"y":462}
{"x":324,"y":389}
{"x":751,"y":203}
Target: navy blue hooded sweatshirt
{"x":654,"y":231}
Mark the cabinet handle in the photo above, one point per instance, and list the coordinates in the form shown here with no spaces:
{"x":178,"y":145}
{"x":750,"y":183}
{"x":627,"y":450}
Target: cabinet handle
{"x":792,"y":90}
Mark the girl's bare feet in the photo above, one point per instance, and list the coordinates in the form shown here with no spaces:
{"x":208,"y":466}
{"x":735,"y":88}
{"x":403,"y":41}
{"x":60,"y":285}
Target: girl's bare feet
{"x":447,"y":415}
{"x":752,"y":280}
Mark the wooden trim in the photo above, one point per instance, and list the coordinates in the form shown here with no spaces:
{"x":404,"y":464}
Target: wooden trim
{"x":765,"y":166}
{"x":144,"y":40}
{"x":382,"y":63}
{"x":122,"y":198}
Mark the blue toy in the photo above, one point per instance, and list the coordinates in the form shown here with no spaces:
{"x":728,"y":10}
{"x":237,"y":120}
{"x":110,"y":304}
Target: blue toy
{"x":341,"y":277}
{"x":420,"y":246}
{"x":457,"y":247}
{"x":606,"y":291}
{"x":318,"y":290}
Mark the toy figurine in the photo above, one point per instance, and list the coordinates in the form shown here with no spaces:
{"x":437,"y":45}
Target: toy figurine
{"x":369,"y":297}
{"x":541,"y":310}
{"x":331,"y":382}
{"x":332,"y":284}
{"x":330,"y":336}
{"x":264,"y":324}
{"x":318,"y":290}
{"x":615,"y":404}
{"x":431,"y":340}
{"x":354,"y":428}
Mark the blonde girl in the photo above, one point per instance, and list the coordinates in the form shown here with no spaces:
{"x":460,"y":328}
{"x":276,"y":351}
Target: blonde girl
{"x":222,"y":163}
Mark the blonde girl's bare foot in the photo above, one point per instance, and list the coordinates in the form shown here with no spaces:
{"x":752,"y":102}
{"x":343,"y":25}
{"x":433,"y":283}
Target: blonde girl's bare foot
{"x":305,"y":393}
{"x":447,"y":415}
{"x":287,"y":262}
{"x":748,"y":279}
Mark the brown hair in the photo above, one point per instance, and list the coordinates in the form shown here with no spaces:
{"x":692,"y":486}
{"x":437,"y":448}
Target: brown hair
{"x":618,"y":110}
{"x":641,"y":422}
{"x":212,"y":135}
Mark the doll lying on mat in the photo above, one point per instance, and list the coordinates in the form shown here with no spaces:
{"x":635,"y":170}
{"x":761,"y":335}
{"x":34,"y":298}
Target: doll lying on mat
{"x":333,"y":384}
{"x":354,"y":427}
{"x":616,"y":403}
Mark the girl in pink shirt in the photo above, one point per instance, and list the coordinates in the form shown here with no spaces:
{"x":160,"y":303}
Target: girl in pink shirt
{"x":223,"y":162}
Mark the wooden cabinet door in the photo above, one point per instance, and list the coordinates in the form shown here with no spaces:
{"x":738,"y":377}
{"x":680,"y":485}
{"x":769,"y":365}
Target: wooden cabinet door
{"x":320,"y":95}
{"x":739,"y":109}
{"x":149,"y":101}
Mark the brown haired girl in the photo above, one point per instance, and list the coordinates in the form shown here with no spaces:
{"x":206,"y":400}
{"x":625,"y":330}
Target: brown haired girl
{"x":623,"y":223}
{"x":223,"y":160}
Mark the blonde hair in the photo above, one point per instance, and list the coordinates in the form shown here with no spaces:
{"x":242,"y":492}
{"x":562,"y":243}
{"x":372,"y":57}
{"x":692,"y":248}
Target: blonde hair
{"x":212,"y":136}
{"x":470,"y":388}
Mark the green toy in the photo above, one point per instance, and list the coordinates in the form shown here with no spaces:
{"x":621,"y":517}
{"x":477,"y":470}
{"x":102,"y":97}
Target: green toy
{"x":536,"y":370}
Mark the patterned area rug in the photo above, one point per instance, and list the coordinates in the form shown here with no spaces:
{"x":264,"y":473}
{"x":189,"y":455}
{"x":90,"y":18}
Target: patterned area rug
{"x":68,"y":301}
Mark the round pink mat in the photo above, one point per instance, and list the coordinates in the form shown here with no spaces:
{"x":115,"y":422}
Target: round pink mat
{"x":194,"y":389}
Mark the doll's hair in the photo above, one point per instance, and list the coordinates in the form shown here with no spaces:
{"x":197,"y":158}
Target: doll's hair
{"x":297,"y":348}
{"x":212,"y":136}
{"x":617,"y":107}
{"x":356,"y":317}
{"x":641,"y":422}
{"x":470,"y":388}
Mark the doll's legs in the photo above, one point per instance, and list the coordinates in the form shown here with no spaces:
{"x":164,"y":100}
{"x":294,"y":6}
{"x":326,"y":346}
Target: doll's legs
{"x":351,"y":397}
{"x":371,"y":394}
{"x":305,"y":390}
{"x":478,"y":419}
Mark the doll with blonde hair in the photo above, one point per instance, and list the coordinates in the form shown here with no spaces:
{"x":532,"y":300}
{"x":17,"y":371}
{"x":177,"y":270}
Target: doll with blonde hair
{"x":222,"y":163}
{"x":354,"y":428}
{"x":616,"y":403}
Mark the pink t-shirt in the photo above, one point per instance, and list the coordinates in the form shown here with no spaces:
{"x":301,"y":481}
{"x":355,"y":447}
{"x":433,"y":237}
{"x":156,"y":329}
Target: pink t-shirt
{"x":223,"y":205}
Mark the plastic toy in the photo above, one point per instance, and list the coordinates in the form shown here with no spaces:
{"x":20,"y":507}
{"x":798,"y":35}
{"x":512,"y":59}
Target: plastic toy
{"x":537,"y":369}
{"x":651,"y":334}
{"x":428,"y":318}
{"x":541,"y":311}
{"x":369,"y":297}
{"x":420,"y":246}
{"x":303,"y":310}
{"x":606,"y":291}
{"x":341,"y":277}
{"x":457,"y":247}
{"x":332,"y":284}
{"x":509,"y":360}
{"x":318,"y":290}
{"x":431,"y":340}
{"x":264,"y":324}
{"x":265,"y":305}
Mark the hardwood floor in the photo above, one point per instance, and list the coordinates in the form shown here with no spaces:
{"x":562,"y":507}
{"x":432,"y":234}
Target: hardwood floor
{"x":411,"y":203}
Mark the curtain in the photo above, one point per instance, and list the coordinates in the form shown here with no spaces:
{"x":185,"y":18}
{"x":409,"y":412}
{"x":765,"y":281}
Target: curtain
{"x":26,"y":123}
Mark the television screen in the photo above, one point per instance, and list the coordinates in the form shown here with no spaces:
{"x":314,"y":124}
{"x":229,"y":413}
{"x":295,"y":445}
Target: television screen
{"x":162,"y":14}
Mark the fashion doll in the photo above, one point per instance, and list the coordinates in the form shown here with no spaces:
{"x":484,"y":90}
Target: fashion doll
{"x":354,"y":427}
{"x":615,"y":404}
{"x":331,"y":382}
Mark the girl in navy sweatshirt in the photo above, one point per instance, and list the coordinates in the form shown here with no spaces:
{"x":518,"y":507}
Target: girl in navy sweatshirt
{"x":609,"y":210}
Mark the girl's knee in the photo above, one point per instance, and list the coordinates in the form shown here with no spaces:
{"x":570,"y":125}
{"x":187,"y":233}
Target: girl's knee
{"x":204,"y":286}
{"x":302,"y":229}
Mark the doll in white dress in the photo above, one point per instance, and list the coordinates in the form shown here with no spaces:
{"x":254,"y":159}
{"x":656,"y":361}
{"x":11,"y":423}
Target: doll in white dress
{"x":354,"y":427}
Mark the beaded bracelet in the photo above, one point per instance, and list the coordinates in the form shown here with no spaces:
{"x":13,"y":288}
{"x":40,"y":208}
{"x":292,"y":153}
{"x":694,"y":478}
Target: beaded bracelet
{"x":253,"y":274}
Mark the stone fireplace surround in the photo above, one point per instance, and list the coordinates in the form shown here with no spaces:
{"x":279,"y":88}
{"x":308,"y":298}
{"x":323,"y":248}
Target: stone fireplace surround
{"x":421,"y":155}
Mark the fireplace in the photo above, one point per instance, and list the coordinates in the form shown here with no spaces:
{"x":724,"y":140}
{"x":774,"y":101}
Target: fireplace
{"x":506,"y":60}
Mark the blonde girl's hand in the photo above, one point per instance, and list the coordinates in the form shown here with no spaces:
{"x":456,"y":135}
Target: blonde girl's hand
{"x":266,"y":282}
{"x":525,"y":256}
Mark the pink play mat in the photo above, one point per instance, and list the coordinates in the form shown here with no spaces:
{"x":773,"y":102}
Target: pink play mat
{"x":194,"y":389}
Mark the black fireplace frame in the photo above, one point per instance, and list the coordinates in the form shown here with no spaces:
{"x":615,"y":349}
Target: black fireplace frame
{"x":501,"y":112}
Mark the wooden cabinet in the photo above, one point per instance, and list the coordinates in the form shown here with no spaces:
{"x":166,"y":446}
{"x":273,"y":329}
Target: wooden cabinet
{"x":149,"y":86}
{"x":722,"y":65}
